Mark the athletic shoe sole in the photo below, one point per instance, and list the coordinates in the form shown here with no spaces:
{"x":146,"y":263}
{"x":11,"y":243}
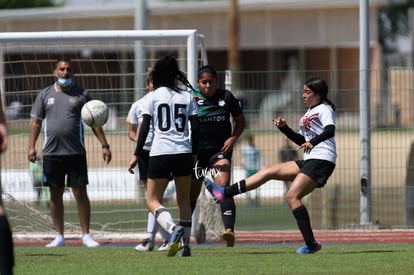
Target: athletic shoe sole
{"x":175,"y":241}
{"x":306,"y":250}
{"x":216,"y":192}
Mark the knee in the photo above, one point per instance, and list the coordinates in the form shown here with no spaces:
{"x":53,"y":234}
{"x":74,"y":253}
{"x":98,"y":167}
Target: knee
{"x":56,"y":193}
{"x":80,"y":193}
{"x":290,"y":198}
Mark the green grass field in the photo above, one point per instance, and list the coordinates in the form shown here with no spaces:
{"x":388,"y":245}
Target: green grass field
{"x":216,"y":259}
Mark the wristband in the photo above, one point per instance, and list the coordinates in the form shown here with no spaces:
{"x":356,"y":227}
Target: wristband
{"x":105,"y":146}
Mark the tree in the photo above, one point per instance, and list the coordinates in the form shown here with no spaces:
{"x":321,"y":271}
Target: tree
{"x":24,"y":4}
{"x":393,"y":22}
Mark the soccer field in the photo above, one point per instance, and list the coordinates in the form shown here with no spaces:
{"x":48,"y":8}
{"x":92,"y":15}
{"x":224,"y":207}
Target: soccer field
{"x":217,"y":259}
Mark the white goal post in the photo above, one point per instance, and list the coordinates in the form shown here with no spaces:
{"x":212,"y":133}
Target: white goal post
{"x":108,"y":65}
{"x":191,"y":37}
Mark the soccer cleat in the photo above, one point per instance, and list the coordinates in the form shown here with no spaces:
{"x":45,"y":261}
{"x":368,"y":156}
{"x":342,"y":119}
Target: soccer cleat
{"x":57,"y":242}
{"x":145,"y":245}
{"x":175,"y":239}
{"x":228,"y":237}
{"x":306,"y":250}
{"x":164,"y":246}
{"x":88,"y":241}
{"x":185,"y":251}
{"x":216,"y":192}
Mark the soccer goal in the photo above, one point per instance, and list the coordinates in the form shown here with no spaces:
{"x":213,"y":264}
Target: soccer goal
{"x":112,"y":66}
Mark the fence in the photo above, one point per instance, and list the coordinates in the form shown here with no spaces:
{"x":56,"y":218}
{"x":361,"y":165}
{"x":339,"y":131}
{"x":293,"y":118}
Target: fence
{"x":265,"y":95}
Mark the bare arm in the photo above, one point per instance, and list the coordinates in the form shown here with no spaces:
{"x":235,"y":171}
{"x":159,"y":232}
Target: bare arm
{"x":35,"y":126}
{"x":3,"y":146}
{"x":238,"y":130}
{"x":106,"y":152}
{"x":132,"y":132}
{"x":3,"y":131}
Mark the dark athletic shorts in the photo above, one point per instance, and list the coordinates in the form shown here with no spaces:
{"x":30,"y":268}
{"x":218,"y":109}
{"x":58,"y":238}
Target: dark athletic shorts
{"x":165,"y":166}
{"x":143,"y":160}
{"x":206,"y":160}
{"x":143,"y":164}
{"x":55,"y":168}
{"x":317,"y":169}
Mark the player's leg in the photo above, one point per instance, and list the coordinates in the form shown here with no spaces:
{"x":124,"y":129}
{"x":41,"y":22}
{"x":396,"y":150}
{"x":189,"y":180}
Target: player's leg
{"x":84,"y":213}
{"x":53,"y":169}
{"x":78,"y":180}
{"x":285,"y":171}
{"x":182,"y":186}
{"x":301,"y":186}
{"x":221,"y":176}
{"x":182,"y":172}
{"x":159,"y":171}
{"x":155,"y":191}
{"x":200,"y":169}
{"x":165,"y":238}
{"x":314,"y":173}
{"x":195,"y":189}
{"x":146,"y":244}
{"x":57,"y":208}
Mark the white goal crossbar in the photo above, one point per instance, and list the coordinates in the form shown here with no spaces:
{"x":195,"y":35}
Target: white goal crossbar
{"x":190,"y":35}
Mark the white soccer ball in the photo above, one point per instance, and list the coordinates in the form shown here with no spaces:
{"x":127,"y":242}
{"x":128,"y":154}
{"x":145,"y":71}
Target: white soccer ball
{"x":94,"y":113}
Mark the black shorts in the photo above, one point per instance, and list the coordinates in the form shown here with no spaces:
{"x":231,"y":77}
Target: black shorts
{"x":56,"y":168}
{"x":317,"y":169}
{"x":165,"y":166}
{"x":143,"y":160}
{"x":206,"y":160}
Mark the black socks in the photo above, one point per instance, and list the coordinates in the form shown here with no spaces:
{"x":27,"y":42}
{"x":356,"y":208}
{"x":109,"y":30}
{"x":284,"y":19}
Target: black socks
{"x":235,"y":189}
{"x":303,"y":221}
{"x":228,"y":213}
{"x":6,"y":247}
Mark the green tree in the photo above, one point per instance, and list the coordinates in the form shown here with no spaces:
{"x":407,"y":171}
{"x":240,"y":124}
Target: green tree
{"x":393,"y":22}
{"x":24,"y":4}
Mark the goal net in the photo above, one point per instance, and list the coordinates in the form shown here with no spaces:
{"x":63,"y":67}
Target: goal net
{"x":112,"y":66}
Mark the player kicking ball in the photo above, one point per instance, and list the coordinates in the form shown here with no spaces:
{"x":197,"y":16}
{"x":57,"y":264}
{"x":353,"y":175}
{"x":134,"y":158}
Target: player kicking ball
{"x":317,"y":140}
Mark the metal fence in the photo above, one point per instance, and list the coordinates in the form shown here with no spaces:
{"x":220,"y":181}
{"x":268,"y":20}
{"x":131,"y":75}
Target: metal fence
{"x":264,"y":95}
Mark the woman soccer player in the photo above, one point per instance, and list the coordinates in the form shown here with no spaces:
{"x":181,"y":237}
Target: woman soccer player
{"x":133,"y":119}
{"x":216,"y":107}
{"x":316,"y":138}
{"x":170,"y":109}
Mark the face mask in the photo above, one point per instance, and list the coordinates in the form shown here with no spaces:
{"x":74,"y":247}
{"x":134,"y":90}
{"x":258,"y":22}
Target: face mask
{"x":64,"y":82}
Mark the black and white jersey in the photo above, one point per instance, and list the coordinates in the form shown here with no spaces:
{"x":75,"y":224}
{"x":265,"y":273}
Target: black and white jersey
{"x":312,"y":124}
{"x":170,"y":112}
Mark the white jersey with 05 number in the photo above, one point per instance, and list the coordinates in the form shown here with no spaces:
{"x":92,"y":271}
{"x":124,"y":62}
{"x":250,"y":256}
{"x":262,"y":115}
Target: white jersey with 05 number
{"x":312,"y":124}
{"x":170,"y":112}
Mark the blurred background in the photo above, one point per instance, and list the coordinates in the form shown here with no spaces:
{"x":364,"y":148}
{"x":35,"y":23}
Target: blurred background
{"x":263,"y":50}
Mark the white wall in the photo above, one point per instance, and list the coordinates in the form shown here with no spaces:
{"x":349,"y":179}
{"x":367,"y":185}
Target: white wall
{"x":110,"y":184}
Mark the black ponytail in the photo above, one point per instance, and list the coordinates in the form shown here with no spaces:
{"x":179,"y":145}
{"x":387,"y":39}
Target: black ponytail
{"x":166,"y":73}
{"x":320,"y":87}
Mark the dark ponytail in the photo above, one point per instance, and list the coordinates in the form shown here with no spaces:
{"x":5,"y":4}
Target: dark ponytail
{"x":320,"y":87}
{"x":166,"y":73}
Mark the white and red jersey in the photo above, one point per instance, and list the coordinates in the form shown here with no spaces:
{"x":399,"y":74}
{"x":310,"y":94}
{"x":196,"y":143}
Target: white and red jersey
{"x":312,"y":124}
{"x":170,"y":111}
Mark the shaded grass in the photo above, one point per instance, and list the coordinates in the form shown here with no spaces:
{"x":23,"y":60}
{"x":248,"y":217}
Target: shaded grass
{"x":216,"y":259}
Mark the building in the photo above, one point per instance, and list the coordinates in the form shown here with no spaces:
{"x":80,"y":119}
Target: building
{"x":275,"y":35}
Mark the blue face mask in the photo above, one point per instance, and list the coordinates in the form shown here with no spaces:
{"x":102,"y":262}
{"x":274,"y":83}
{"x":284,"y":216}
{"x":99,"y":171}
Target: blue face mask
{"x":64,"y":82}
